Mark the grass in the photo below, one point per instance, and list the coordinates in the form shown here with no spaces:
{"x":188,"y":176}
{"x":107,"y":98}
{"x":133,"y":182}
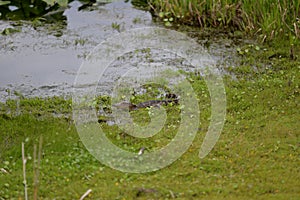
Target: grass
{"x":266,"y":19}
{"x":257,"y":156}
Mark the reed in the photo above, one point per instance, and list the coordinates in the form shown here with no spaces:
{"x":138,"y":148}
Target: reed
{"x":268,"y":19}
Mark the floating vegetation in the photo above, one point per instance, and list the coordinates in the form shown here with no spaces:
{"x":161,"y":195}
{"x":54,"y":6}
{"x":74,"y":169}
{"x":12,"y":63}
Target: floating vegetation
{"x":30,"y":9}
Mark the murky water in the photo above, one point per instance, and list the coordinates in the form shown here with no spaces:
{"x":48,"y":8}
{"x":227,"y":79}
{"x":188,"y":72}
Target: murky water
{"x":37,"y":62}
{"x":44,"y":61}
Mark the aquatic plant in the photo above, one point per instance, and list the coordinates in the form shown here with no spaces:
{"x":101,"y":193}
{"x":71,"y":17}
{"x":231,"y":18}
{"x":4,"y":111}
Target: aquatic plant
{"x":267,"y":19}
{"x":29,"y":9}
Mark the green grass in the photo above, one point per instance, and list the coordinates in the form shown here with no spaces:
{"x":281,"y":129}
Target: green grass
{"x":256,"y":157}
{"x":265,"y":19}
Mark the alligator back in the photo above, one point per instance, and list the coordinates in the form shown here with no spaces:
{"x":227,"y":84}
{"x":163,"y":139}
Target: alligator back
{"x":156,"y":103}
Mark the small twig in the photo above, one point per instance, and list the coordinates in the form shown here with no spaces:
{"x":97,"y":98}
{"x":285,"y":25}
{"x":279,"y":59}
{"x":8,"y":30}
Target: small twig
{"x":40,"y":153}
{"x":36,"y":168}
{"x":4,"y":170}
{"x":24,"y":172}
{"x":34,"y":174}
{"x":172,"y":194}
{"x":296,"y":30}
{"x":85,"y":194}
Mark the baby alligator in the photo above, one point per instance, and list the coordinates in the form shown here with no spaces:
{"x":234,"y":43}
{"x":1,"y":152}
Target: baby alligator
{"x":146,"y":104}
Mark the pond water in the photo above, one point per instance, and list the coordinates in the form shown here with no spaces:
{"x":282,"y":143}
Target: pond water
{"x":38,"y":62}
{"x":43,"y":61}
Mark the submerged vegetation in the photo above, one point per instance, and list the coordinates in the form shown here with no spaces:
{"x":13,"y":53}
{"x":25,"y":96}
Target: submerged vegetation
{"x":266,"y":19}
{"x":30,"y":9}
{"x":50,"y":10}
